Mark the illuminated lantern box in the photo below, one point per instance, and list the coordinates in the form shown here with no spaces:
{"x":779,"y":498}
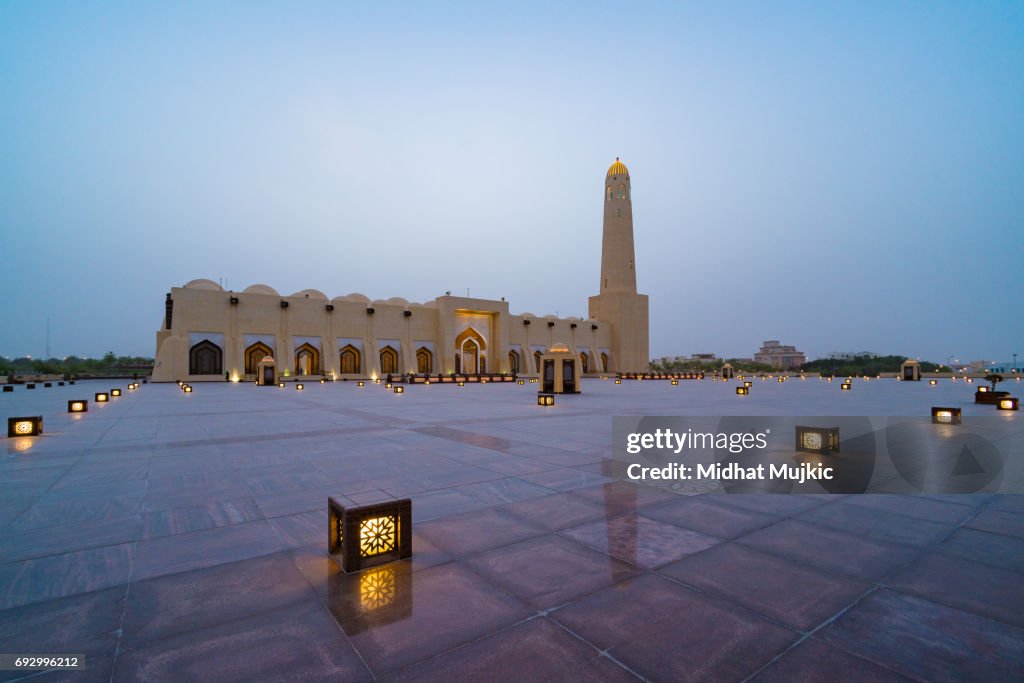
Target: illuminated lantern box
{"x":949,"y":416}
{"x":187,"y":388}
{"x":520,"y":382}
{"x":986,"y":396}
{"x":101,"y":397}
{"x":299,"y":387}
{"x":748,"y":384}
{"x":78,"y":406}
{"x":361,"y":383}
{"x":845,"y":386}
{"x":115,"y":392}
{"x":545,"y":399}
{"x":742,"y":391}
{"x":399,"y":389}
{"x":675,"y":382}
{"x":1008,"y":403}
{"x":817,"y":439}
{"x":25,"y":426}
{"x":618,"y":381}
{"x":367,"y":536}
{"x":933,"y":382}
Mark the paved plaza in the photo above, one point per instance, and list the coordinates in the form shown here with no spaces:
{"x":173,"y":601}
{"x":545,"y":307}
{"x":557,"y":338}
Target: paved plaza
{"x":172,"y":536}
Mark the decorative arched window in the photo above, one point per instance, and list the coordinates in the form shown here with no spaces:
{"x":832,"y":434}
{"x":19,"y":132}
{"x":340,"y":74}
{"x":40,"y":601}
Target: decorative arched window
{"x":205,"y":358}
{"x":388,"y":360}
{"x":622,"y":191}
{"x":536,"y":359}
{"x":424,"y":361}
{"x":253,"y":355}
{"x":584,"y":362}
{"x":609,"y":192}
{"x":604,"y":362}
{"x":350,"y":358}
{"x":513,"y":362}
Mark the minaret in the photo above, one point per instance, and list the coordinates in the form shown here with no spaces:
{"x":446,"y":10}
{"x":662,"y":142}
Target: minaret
{"x":618,"y":303}
{"x":618,"y":272}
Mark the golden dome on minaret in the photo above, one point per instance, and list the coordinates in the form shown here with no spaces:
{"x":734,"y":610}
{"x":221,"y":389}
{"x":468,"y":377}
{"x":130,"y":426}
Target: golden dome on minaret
{"x":618,"y":168}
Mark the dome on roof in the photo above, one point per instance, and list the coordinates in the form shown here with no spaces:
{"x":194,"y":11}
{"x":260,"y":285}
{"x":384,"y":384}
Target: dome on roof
{"x":260,"y":289}
{"x":311,"y":294}
{"x":202,"y":283}
{"x":618,"y":168}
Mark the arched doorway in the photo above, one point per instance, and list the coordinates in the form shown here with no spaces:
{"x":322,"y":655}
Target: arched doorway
{"x":254,"y":354}
{"x":584,"y":362}
{"x":513,"y":362}
{"x":470,"y":353}
{"x":388,"y":361}
{"x":470,"y":348}
{"x":307,"y":360}
{"x":349,"y":356}
{"x":205,"y":358}
{"x":604,"y":362}
{"x":536,"y":360}
{"x":424,"y":361}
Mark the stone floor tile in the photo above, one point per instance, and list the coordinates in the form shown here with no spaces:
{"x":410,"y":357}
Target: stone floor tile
{"x":779,"y":589}
{"x":640,"y":541}
{"x":549,"y":570}
{"x":929,"y":642}
{"x":664,"y":631}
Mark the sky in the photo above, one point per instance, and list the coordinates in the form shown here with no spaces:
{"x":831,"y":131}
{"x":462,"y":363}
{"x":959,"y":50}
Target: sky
{"x":837,"y":176}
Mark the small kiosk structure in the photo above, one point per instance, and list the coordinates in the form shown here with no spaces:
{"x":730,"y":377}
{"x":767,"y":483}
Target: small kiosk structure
{"x":910,"y":371}
{"x":728,"y":372}
{"x":266,"y":372}
{"x":560,"y":371}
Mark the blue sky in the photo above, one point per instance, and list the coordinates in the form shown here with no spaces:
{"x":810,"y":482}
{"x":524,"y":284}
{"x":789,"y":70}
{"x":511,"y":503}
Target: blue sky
{"x":837,"y":176}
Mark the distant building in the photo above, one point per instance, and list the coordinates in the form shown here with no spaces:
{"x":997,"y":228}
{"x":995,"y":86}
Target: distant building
{"x":783,"y":357}
{"x":695,"y":358}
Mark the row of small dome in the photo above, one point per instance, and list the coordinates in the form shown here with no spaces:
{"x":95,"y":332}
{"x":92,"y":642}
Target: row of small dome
{"x":203,"y":283}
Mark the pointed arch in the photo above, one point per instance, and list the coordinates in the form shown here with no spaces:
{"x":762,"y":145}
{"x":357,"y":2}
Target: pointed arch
{"x":468,"y":333}
{"x":513,"y":362}
{"x":388,"y":361}
{"x":604,"y":362}
{"x":307,"y":360}
{"x":254,"y":354}
{"x":424,"y":361}
{"x":205,"y":358}
{"x":350,"y":360}
{"x":584,"y":362}
{"x":536,"y":360}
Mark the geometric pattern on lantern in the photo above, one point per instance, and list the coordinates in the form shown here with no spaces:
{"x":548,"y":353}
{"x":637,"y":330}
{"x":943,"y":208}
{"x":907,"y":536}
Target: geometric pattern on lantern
{"x":378,"y":535}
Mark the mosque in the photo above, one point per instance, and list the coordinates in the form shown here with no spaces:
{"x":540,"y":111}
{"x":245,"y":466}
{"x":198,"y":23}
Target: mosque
{"x":209,"y":333}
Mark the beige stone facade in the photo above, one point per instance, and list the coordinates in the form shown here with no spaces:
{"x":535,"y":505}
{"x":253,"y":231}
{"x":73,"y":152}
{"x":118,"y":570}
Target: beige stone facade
{"x":209,"y":333}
